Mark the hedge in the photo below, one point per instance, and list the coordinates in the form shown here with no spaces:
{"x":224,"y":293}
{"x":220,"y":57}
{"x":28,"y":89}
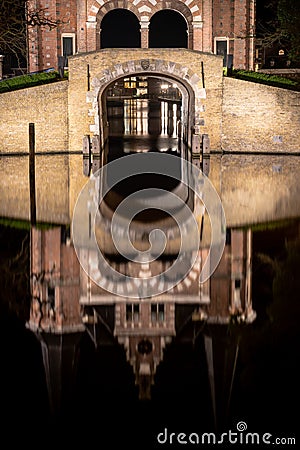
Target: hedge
{"x":264,"y":78}
{"x":29,"y":80}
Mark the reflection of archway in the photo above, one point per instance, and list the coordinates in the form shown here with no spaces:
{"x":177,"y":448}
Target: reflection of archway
{"x":168,"y":29}
{"x":120,"y":28}
{"x":137,"y":122}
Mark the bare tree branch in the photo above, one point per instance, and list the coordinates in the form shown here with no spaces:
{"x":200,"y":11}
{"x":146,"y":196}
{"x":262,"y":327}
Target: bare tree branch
{"x":282,"y":26}
{"x":40,"y":18}
{"x":17,"y":17}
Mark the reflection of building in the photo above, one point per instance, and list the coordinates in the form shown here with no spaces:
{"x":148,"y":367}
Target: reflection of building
{"x":217,"y":26}
{"x":65,"y":302}
{"x":229,"y":288}
{"x":55,"y":314}
{"x":144,"y":329}
{"x":146,"y":325}
{"x":55,"y":282}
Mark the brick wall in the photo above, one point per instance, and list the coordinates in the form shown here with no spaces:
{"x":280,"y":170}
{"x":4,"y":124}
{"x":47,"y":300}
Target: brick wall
{"x":51,"y":177}
{"x":206,"y":20}
{"x":46,"y":106}
{"x":44,"y":44}
{"x":239,"y":116}
{"x":259,"y":118}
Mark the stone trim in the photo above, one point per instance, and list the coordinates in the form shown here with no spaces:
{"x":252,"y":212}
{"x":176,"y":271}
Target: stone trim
{"x":98,"y":11}
{"x":190,"y":80}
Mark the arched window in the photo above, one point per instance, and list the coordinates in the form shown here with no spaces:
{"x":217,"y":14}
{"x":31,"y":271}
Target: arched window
{"x":168,"y":29}
{"x":120,"y":28}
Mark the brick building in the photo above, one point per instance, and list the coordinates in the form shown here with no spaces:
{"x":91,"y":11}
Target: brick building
{"x":214,"y":26}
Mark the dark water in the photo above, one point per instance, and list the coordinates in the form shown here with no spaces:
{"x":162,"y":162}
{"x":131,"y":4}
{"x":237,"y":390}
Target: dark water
{"x":88,"y":395}
{"x":99,"y":401}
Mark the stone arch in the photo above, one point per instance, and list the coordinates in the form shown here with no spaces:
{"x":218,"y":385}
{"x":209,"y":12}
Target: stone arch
{"x":114,"y":4}
{"x":189,"y":82}
{"x":175,"y":5}
{"x":151,"y":8}
{"x":144,"y":13}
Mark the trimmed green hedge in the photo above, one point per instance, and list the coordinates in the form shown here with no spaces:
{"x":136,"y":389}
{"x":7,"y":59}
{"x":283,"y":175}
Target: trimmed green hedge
{"x":26,"y":81}
{"x":264,"y":78}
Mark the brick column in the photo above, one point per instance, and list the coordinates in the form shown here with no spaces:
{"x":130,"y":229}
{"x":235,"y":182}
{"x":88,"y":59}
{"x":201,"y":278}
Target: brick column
{"x":81,"y":26}
{"x":251,"y":51}
{"x":207,"y":13}
{"x":197,"y":35}
{"x":33,"y":45}
{"x":240,"y":30}
{"x":144,"y":33}
{"x":91,"y":34}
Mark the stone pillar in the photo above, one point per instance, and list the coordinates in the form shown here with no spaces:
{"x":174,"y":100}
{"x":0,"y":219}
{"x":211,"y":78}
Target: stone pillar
{"x":144,"y":33}
{"x":92,"y":35}
{"x":251,"y":53}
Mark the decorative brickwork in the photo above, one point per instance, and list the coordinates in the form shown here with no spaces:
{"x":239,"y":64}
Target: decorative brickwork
{"x":214,"y":26}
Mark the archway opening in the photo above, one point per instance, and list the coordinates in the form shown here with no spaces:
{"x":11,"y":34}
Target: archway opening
{"x":144,"y":107}
{"x":120,"y":28}
{"x":144,"y":114}
{"x":168,"y":29}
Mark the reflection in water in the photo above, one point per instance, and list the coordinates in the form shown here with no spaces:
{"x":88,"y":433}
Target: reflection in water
{"x":116,"y":365}
{"x":182,"y":361}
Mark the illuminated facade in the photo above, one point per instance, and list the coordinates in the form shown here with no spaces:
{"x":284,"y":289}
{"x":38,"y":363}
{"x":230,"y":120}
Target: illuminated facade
{"x":223,"y":27}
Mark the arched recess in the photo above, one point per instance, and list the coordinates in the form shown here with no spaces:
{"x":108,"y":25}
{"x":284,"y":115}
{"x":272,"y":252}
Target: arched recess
{"x":168,"y":29}
{"x":179,"y":7}
{"x":120,"y":28}
{"x":107,"y":8}
{"x":110,"y":153}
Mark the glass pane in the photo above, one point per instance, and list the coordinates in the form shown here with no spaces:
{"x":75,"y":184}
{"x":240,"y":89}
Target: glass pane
{"x":67,"y":46}
{"x":222,"y":50}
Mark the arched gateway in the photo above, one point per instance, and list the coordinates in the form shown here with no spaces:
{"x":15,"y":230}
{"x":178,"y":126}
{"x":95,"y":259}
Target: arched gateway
{"x":197,"y":75}
{"x":141,"y":294}
{"x":188,"y":84}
